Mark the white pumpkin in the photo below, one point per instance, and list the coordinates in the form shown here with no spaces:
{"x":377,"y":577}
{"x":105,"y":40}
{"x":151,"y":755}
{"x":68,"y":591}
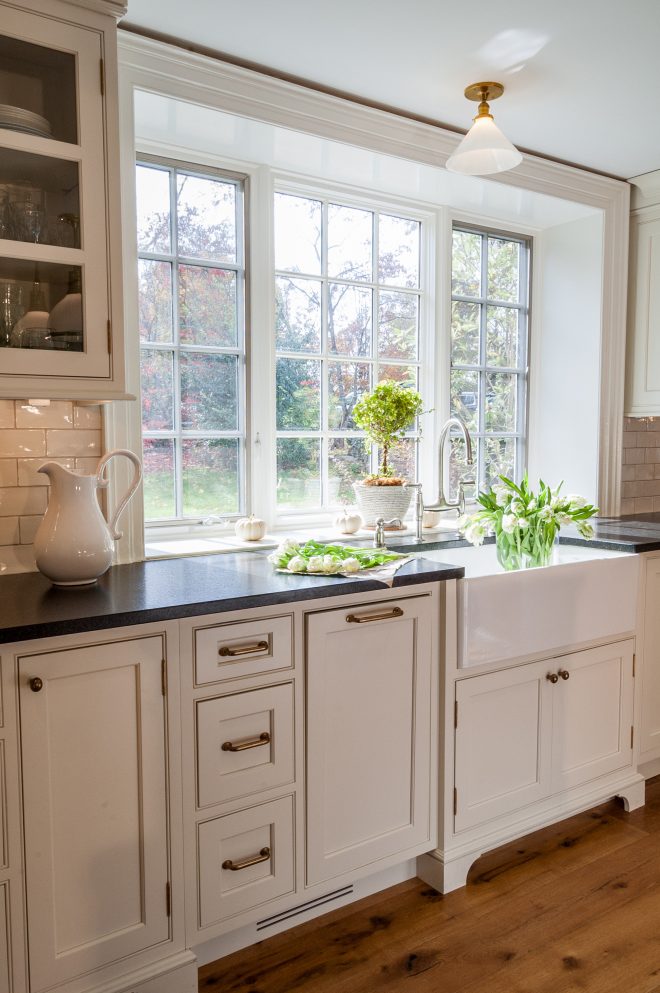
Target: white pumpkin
{"x":348,"y":522}
{"x":250,"y":528}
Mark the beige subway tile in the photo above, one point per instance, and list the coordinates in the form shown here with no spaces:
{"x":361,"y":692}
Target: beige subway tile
{"x":28,"y":527}
{"x":77,"y":443}
{"x":630,"y":489}
{"x":58,"y":414}
{"x":630,"y":439}
{"x":7,"y":414}
{"x":652,"y":438}
{"x":627,"y":507}
{"x":649,"y":487}
{"x":22,"y":443}
{"x":643,"y":471}
{"x":656,"y":503}
{"x":628,"y":473}
{"x":644,"y":439}
{"x":8,"y":472}
{"x":635,"y":423}
{"x":19,"y":500}
{"x":17,"y":558}
{"x":87,"y":417}
{"x":633,"y":456}
{"x":652,"y":454}
{"x":87,"y":466}
{"x":28,"y":475}
{"x":9,"y":533}
{"x":643,"y":505}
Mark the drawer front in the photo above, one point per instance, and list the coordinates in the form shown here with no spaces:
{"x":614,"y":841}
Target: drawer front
{"x":245,"y":860}
{"x":245,"y":743}
{"x":248,"y":648}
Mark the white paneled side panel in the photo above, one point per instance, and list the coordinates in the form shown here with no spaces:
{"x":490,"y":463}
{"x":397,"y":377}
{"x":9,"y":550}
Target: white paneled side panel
{"x":5,"y":943}
{"x":643,"y":360}
{"x":94,"y":787}
{"x":368,"y":727}
{"x":650,"y":743}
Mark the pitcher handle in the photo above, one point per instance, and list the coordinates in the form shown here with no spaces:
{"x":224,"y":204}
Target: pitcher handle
{"x":135,"y":482}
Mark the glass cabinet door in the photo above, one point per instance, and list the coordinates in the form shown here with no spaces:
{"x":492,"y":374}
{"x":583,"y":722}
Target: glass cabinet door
{"x":54,"y":295}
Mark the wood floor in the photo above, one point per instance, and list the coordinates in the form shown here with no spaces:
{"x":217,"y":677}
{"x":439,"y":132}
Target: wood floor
{"x":573,"y":907}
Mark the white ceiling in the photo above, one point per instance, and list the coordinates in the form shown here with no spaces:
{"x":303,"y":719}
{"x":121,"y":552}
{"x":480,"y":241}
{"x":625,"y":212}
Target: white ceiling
{"x":580,"y":75}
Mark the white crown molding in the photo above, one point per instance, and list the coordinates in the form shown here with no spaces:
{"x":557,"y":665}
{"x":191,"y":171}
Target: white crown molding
{"x":166,"y":69}
{"x":115,"y":8}
{"x":645,"y":190}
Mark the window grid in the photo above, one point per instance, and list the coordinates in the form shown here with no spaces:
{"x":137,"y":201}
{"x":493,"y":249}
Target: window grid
{"x":325,"y":356}
{"x":517,"y":432}
{"x":176,"y":348}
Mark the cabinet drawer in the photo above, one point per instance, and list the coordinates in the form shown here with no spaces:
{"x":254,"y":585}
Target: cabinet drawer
{"x":248,"y":648}
{"x":244,"y":743}
{"x":261,"y":836}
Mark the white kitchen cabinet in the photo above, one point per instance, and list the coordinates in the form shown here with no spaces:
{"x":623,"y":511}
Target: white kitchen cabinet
{"x":12,"y":959}
{"x":60,"y":261}
{"x":537,"y":730}
{"x":93,"y":725}
{"x":369,"y":673}
{"x":643,"y":340}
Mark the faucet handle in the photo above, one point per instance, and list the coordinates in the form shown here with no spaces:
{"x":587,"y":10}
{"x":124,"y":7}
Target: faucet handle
{"x":462,"y":483}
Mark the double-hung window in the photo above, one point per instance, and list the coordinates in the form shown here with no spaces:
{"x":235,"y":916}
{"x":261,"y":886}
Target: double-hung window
{"x":489,"y":346}
{"x":348,"y":299}
{"x":192,"y":341}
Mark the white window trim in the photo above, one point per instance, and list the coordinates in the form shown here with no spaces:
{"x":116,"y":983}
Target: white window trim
{"x":166,"y":69}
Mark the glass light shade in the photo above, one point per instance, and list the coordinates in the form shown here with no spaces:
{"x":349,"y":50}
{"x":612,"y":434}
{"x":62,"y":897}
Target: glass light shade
{"x":484,"y":150}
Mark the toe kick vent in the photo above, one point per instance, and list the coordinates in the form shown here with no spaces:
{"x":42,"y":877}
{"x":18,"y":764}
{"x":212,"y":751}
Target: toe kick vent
{"x":303,"y":908}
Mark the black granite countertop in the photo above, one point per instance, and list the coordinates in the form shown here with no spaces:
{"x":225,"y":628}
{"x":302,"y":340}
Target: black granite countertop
{"x":166,"y":589}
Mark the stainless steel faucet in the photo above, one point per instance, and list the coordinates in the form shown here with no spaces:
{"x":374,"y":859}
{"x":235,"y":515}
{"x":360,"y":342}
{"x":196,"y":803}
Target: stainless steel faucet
{"x":442,"y":503}
{"x":379,"y":534}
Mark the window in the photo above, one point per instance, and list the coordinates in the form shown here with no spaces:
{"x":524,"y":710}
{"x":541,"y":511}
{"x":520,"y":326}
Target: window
{"x":348,"y":299}
{"x":489,"y":322}
{"x":192,"y":341}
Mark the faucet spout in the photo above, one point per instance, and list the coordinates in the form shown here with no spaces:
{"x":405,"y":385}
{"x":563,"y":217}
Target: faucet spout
{"x":442,"y":503}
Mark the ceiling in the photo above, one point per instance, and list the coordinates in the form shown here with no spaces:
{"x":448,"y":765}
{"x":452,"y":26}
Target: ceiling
{"x":580,"y":75}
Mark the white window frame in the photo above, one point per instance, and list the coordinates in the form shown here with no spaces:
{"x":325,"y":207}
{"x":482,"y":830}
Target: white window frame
{"x":174,"y":258}
{"x":427,"y":216}
{"x":521,"y":432}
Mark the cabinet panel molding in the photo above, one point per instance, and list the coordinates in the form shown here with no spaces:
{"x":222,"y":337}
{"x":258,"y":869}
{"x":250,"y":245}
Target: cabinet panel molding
{"x":6,"y":984}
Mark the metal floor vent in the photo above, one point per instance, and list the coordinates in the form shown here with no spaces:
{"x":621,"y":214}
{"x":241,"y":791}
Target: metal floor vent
{"x":302,"y":908}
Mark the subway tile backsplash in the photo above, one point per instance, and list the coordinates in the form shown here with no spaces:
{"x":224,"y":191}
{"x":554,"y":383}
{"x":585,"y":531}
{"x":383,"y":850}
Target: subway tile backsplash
{"x":640,"y":474}
{"x":29,"y":436}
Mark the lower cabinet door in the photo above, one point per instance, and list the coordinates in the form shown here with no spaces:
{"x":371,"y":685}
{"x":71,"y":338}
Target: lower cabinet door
{"x":369,"y":709}
{"x":245,"y":860}
{"x":592,"y":714}
{"x":94,"y":780}
{"x":503,"y":729}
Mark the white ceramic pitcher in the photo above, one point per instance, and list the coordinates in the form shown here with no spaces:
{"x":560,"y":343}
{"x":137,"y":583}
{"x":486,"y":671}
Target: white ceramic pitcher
{"x":74,"y":544}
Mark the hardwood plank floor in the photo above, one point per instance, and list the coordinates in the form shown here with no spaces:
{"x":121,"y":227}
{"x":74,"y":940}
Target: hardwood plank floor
{"x":574,"y":907}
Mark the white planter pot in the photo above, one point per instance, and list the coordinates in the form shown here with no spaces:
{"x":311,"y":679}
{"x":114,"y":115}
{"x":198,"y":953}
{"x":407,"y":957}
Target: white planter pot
{"x":382,"y":501}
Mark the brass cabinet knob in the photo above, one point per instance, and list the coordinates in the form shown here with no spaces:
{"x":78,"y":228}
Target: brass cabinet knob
{"x":564,"y":673}
{"x":553,"y":677}
{"x":36,"y":684}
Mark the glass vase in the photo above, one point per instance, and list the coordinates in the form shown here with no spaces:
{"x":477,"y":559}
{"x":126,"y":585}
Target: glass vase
{"x":510,"y":557}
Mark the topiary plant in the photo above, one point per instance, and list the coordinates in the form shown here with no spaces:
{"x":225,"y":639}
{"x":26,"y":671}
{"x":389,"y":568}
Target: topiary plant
{"x":385,"y":414}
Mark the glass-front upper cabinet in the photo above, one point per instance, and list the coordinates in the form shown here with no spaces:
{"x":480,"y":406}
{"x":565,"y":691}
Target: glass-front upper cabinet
{"x":57,"y":218}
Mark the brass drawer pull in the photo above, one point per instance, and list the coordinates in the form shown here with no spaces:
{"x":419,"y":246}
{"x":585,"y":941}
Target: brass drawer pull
{"x":260,"y":646}
{"x":564,"y":673}
{"x":365,"y":618}
{"x":263,"y":856}
{"x":553,"y":677}
{"x":263,"y":739}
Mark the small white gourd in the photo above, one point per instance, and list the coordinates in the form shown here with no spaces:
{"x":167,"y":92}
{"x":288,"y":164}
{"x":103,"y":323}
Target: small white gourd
{"x":250,"y":528}
{"x":348,"y":522}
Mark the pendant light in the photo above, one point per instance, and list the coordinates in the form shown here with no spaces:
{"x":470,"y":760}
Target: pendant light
{"x":484,"y":150}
